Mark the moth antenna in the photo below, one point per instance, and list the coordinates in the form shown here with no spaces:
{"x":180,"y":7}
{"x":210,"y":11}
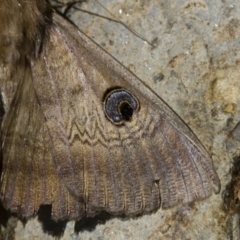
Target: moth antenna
{"x":71,"y":4}
{"x":60,"y":5}
{"x":126,"y":26}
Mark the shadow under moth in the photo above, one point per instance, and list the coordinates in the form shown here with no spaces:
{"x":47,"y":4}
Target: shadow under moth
{"x":82,"y":133}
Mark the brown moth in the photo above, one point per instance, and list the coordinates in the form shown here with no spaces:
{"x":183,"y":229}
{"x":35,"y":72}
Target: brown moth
{"x":82,"y":133}
{"x":232,"y":191}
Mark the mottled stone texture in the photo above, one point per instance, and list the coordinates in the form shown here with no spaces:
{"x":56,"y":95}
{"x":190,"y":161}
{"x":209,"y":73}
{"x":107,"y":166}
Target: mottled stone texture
{"x":195,"y":69}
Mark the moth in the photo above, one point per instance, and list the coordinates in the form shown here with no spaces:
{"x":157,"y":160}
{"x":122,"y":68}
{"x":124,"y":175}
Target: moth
{"x":82,"y":133}
{"x":232,"y":193}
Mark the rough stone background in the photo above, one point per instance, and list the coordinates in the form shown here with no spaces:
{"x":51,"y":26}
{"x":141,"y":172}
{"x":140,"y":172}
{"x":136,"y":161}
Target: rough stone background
{"x":195,"y":69}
